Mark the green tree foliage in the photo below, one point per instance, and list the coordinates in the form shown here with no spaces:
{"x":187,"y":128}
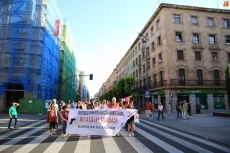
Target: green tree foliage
{"x":121,"y":89}
{"x":129,"y":83}
{"x":227,"y":78}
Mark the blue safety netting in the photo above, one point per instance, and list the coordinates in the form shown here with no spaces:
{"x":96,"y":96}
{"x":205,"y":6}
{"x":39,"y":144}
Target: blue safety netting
{"x":29,"y":53}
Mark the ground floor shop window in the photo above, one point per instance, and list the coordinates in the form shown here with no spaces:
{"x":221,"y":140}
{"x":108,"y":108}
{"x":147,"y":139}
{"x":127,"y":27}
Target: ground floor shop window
{"x":219,"y":102}
{"x":202,"y":101}
{"x":155,"y":100}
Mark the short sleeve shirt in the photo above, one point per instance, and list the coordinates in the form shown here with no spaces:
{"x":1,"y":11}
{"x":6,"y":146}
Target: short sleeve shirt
{"x":13,"y":111}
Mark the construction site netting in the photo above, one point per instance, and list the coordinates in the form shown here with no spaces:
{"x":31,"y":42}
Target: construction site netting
{"x":29,"y":53}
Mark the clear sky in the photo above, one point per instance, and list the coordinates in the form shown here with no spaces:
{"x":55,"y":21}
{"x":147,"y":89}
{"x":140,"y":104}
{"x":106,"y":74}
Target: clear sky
{"x":103,"y":30}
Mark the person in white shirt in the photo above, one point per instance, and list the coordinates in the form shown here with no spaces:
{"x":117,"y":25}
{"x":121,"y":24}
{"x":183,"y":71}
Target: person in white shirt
{"x":103,"y":105}
{"x":160,"y":111}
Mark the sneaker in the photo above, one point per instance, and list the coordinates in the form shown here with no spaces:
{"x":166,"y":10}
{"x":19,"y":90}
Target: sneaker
{"x":54,"y":133}
{"x":64,"y":135}
{"x":50,"y":134}
{"x":132,"y":134}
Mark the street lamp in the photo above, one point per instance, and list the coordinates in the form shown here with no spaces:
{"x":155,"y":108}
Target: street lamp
{"x":171,"y":95}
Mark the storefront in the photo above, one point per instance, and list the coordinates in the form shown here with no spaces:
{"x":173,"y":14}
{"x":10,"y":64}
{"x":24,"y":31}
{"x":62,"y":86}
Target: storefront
{"x":158,"y":96}
{"x":205,"y":98}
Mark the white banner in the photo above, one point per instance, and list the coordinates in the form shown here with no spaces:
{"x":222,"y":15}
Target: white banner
{"x":106,"y":122}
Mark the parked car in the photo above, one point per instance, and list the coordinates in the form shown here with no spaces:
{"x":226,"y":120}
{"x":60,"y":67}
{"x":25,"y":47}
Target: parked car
{"x":138,"y":108}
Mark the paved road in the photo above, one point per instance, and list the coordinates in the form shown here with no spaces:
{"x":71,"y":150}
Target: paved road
{"x":169,"y":135}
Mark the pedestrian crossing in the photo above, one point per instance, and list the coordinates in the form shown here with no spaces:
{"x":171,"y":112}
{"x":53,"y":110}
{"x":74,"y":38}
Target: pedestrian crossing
{"x":149,"y":137}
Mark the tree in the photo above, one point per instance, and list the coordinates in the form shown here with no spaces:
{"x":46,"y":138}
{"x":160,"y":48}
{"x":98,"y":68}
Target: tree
{"x":227,"y":78}
{"x":129,"y":82}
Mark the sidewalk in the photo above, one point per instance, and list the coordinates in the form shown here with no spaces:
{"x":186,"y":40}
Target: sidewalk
{"x":205,"y":125}
{"x":22,"y":120}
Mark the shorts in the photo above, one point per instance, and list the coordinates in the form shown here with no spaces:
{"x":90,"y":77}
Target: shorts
{"x":52,"y":125}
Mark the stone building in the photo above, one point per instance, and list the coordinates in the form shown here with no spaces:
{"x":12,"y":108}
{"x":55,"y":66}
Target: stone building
{"x":180,"y":54}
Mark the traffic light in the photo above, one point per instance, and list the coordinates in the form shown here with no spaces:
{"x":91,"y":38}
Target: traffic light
{"x":91,"y":77}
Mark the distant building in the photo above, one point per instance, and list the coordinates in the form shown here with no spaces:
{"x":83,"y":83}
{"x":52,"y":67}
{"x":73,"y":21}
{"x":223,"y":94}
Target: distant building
{"x":181,"y":54}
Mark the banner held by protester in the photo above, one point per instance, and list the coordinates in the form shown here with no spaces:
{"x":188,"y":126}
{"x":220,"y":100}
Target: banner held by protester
{"x":106,"y":122}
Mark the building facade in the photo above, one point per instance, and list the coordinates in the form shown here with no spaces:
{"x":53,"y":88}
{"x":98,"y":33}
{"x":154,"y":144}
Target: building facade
{"x":180,"y":54}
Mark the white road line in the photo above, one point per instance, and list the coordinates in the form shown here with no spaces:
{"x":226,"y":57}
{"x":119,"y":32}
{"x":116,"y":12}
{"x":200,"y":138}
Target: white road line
{"x":56,"y":145}
{"x":83,"y":145}
{"x":136,"y":144}
{"x":34,"y":143}
{"x":158,"y":142}
{"x":20,"y":129}
{"x":19,"y":138}
{"x":110,"y":145}
{"x":178,"y":140}
{"x":191,"y":137}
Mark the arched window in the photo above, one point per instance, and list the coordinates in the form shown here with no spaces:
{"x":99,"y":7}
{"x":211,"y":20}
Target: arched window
{"x":199,"y":76}
{"x":181,"y":77}
{"x":216,"y":77}
{"x":161,"y":77}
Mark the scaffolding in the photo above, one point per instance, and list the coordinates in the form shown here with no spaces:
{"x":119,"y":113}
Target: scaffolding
{"x":29,"y":52}
{"x":67,"y":65}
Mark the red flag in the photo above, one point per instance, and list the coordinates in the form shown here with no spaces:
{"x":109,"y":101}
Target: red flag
{"x":57,"y":25}
{"x":226,"y":3}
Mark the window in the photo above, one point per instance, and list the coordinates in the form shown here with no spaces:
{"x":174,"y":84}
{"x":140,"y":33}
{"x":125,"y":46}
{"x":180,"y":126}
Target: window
{"x":152,"y":31}
{"x":139,"y":70}
{"x":195,"y":38}
{"x":214,"y":57}
{"x":199,"y":76}
{"x":148,"y":65}
{"x":212,"y":39}
{"x":135,"y":50}
{"x":158,"y":24}
{"x":139,"y":46}
{"x":226,"y":23}
{"x":197,"y":56}
{"x":140,"y":83}
{"x":143,"y":55}
{"x":136,"y":73}
{"x":133,"y":63}
{"x":161,"y":76}
{"x":176,"y":18}
{"x":143,"y":68}
{"x":178,"y":36}
{"x":228,"y":40}
{"x":180,"y":55}
{"x":210,"y":22}
{"x":154,"y":80}
{"x":136,"y":62}
{"x":148,"y":80}
{"x":160,"y":58}
{"x":154,"y":62}
{"x":181,"y":77}
{"x":144,"y":82}
{"x":18,"y":59}
{"x":229,"y":57}
{"x":159,"y":40}
{"x":137,"y":84}
{"x":147,"y":37}
{"x":216,"y":77}
{"x":139,"y":58}
{"x":147,"y":52}
{"x":194,"y":20}
{"x":153,"y":47}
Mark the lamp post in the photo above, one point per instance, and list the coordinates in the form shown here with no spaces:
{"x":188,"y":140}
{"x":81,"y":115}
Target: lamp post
{"x":171,"y":95}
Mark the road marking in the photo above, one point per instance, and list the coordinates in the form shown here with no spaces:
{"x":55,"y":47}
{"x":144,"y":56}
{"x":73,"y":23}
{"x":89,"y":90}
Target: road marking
{"x":56,"y":145}
{"x":157,"y":141}
{"x":110,"y":145}
{"x":83,"y":145}
{"x":20,"y":129}
{"x":191,"y":137}
{"x":19,"y":138}
{"x":32,"y":144}
{"x":136,"y":144}
{"x":178,"y":140}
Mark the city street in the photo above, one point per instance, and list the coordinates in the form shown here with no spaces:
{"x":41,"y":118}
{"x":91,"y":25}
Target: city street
{"x":202,"y":133}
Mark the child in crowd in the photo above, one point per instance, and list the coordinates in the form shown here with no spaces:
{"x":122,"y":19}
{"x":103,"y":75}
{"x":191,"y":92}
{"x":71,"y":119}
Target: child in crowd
{"x":64,"y":117}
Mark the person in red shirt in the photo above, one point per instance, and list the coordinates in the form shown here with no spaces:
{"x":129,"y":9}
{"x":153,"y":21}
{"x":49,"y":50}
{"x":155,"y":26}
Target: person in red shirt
{"x":51,"y":118}
{"x":113,"y":104}
{"x":64,"y":117}
{"x":148,"y":110}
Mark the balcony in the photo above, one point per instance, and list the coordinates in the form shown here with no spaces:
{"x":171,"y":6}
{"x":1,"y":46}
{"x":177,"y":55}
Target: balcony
{"x":151,"y":86}
{"x":197,"y":45}
{"x":177,"y":82}
{"x":214,"y":47}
